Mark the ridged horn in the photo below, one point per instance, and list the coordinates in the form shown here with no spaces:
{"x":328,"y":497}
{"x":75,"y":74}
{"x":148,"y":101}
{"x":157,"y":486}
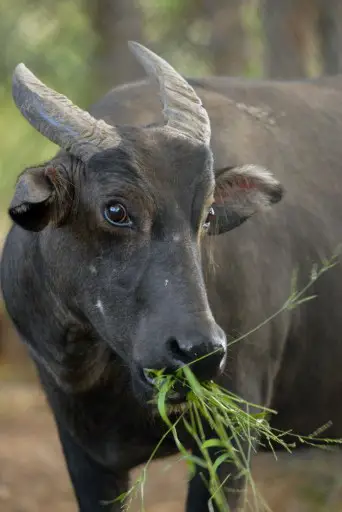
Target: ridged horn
{"x":58,"y":119}
{"x":183,"y":109}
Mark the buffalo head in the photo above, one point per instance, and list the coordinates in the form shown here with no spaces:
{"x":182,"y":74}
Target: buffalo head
{"x":118,"y":217}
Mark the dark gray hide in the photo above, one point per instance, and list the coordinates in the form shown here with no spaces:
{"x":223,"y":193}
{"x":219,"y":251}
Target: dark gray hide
{"x":96,"y":303}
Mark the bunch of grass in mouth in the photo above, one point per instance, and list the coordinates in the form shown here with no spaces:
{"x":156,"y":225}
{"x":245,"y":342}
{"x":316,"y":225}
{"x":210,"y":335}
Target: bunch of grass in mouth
{"x":236,"y":426}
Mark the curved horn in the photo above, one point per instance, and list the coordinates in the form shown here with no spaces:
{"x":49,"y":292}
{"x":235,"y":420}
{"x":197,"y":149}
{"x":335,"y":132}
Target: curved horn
{"x":58,"y":119}
{"x":183,"y":109}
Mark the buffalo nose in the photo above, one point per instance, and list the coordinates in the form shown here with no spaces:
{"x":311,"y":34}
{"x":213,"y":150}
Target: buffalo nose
{"x":206,"y":356}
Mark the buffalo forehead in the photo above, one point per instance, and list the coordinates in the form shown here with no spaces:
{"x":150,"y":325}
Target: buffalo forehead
{"x":160,"y":165}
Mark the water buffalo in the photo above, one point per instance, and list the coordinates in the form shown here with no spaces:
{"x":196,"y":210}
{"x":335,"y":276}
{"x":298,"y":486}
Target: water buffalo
{"x":123,"y":256}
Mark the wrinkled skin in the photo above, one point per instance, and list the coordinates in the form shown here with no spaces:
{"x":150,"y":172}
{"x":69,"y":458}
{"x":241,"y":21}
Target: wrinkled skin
{"x":97,"y":303}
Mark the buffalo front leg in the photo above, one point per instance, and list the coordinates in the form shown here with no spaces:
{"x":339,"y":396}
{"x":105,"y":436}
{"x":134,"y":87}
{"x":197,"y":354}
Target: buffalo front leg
{"x":96,"y":487}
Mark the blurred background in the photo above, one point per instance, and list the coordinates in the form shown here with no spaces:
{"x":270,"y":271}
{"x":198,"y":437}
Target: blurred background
{"x":79,"y":47}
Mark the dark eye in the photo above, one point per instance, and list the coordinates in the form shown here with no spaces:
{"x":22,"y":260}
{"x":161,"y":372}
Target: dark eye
{"x":116,"y":214}
{"x":210,"y":218}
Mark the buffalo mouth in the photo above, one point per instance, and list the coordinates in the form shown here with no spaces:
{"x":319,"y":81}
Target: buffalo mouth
{"x":175,"y":400}
{"x":172,"y":409}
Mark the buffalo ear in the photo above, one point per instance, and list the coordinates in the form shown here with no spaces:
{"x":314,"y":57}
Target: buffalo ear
{"x":34,"y":203}
{"x":239,"y":193}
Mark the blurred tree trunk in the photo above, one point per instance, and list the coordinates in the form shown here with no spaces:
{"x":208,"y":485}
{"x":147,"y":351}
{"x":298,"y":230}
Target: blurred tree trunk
{"x":330,"y":34}
{"x":227,"y":44}
{"x":293,"y":28}
{"x":115,"y":22}
{"x":287,"y":25}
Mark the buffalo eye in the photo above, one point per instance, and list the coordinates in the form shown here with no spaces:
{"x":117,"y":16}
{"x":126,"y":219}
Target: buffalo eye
{"x":209,"y":219}
{"x":116,"y":214}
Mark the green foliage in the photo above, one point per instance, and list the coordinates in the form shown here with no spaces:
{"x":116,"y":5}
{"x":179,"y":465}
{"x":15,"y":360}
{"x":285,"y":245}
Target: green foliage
{"x":52,"y":38}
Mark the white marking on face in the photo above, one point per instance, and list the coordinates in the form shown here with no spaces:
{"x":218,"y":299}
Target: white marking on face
{"x":166,"y":282}
{"x":99,"y":306}
{"x":92,"y":269}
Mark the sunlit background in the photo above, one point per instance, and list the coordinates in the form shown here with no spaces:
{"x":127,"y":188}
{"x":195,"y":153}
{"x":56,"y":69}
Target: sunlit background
{"x":79,"y":47}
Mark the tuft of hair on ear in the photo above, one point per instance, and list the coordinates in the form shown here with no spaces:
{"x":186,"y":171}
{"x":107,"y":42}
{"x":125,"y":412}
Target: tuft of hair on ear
{"x":240,"y":192}
{"x":42,"y":195}
{"x":246,"y":180}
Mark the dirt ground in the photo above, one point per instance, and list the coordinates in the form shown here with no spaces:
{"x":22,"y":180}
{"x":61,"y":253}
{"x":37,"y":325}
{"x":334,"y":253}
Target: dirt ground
{"x":33,"y":477}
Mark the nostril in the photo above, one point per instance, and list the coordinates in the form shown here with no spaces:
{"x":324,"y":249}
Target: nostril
{"x":178,"y":353}
{"x":208,"y":356}
{"x":189,"y":353}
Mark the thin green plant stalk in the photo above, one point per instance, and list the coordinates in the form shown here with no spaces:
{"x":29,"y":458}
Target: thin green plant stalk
{"x":142,"y":478}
